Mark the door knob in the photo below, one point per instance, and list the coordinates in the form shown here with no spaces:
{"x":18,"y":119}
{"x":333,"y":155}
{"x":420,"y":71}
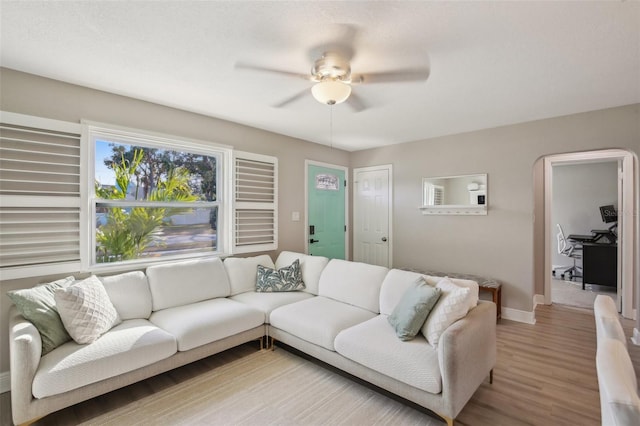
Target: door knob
{"x":384,"y":239}
{"x":311,"y":241}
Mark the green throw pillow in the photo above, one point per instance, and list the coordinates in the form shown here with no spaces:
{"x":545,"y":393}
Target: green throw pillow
{"x":38,"y":306}
{"x":288,"y":278}
{"x":413,"y":309}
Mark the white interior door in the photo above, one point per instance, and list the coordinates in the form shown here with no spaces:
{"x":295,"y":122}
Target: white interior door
{"x":372,"y":215}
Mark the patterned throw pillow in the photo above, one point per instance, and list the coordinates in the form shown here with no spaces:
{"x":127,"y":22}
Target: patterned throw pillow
{"x":38,"y":306}
{"x":288,"y":278}
{"x":86,"y":310}
{"x":453,"y":305}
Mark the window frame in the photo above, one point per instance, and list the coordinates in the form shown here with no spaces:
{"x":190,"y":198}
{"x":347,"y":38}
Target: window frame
{"x":92,"y":131}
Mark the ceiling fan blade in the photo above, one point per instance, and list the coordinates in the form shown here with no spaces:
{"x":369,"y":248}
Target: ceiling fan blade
{"x":391,"y":76}
{"x":240,"y":65}
{"x":356,"y":103}
{"x":291,"y":99}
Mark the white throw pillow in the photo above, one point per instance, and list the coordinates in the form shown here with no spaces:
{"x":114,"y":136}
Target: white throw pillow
{"x":472,"y":285}
{"x":453,"y":304}
{"x":85,"y":310}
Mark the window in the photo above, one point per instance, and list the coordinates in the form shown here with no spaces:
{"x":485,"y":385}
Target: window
{"x":154,"y":198}
{"x":93,"y":197}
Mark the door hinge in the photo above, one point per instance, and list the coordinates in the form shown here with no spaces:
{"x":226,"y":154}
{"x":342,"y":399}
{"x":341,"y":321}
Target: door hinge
{"x":345,"y":182}
{"x":345,"y":228}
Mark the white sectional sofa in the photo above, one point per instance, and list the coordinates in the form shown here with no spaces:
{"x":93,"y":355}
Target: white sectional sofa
{"x":619,"y":399}
{"x":180,"y":312}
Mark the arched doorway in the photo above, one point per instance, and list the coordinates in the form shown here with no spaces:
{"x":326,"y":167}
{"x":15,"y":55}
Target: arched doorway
{"x":627,"y":221}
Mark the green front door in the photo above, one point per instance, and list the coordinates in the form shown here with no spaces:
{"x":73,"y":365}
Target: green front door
{"x":326,"y":209}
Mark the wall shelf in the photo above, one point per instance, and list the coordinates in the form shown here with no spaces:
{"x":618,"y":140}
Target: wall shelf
{"x":462,"y":210}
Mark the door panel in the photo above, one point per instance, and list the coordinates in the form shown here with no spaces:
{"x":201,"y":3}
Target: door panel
{"x":371,"y":217}
{"x":326,"y":209}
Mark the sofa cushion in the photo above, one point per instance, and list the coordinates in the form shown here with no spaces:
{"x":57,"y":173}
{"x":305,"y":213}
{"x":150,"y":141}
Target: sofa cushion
{"x":354,"y":283}
{"x":243,"y":272}
{"x":452,"y":305}
{"x":411,"y":312}
{"x":267,"y":302}
{"x":85,"y":309}
{"x":181,"y":283}
{"x":318,"y":320}
{"x":204,"y":322}
{"x":395,"y":284}
{"x":374,"y":344}
{"x":38,"y":305}
{"x":619,"y":401}
{"x":129,"y":293}
{"x":288,"y":278}
{"x":128,"y":346}
{"x":311,"y":266}
{"x":607,"y":320}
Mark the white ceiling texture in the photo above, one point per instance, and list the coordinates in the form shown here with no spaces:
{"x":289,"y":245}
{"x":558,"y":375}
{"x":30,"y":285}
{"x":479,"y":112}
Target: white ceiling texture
{"x":491,"y":63}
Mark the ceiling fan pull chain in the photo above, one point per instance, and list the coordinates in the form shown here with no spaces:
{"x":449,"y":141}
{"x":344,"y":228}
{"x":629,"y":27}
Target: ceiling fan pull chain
{"x":331,"y":126}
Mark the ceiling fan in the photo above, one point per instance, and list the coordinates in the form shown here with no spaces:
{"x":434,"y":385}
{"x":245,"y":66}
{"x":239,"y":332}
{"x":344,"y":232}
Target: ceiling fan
{"x":333,"y":79}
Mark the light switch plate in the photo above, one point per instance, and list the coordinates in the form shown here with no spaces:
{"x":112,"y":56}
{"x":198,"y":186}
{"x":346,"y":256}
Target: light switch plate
{"x":295,"y":216}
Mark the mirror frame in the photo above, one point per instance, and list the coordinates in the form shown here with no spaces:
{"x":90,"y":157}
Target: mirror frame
{"x":455,"y":209}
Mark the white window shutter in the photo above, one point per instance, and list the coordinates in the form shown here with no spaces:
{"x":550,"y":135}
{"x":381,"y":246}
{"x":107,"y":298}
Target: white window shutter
{"x":255,"y":212}
{"x":39,"y":196}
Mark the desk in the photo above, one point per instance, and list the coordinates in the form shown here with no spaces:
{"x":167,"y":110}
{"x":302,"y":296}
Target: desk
{"x":581,"y":238}
{"x":604,"y":233}
{"x":600,"y":264}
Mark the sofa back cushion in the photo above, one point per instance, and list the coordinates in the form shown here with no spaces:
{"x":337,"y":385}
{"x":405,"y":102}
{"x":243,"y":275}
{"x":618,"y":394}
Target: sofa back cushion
{"x":312,"y":267}
{"x":130,"y":294}
{"x":181,"y":283}
{"x":354,"y":283}
{"x":394,"y":286}
{"x":243,"y":271}
{"x":619,"y":401}
{"x":607,"y":321}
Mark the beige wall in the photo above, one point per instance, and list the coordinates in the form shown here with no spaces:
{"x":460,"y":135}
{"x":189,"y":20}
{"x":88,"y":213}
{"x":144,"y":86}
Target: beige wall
{"x":500,"y":244}
{"x":29,"y":94}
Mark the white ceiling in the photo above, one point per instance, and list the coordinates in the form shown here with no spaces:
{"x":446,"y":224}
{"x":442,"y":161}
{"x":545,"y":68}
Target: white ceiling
{"x":492,"y":63}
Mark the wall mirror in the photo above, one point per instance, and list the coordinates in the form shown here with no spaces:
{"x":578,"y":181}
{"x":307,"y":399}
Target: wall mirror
{"x":455,"y":195}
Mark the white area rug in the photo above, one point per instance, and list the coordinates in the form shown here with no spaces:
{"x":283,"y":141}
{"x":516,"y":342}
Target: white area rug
{"x":570,"y":293}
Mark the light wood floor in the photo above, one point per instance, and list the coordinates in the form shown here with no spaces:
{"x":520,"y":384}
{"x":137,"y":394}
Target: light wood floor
{"x":545,"y":375}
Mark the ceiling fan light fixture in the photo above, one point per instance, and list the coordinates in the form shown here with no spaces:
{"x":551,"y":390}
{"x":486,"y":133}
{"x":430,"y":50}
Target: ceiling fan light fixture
{"x":331,"y":92}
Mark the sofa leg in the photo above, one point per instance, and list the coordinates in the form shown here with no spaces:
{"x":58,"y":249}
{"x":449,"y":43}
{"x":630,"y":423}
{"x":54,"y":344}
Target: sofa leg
{"x":491,"y":376}
{"x":449,"y":420}
{"x":30,"y":421}
{"x":272,"y":343}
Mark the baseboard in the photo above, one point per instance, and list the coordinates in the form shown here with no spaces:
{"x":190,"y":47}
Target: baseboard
{"x":635,"y":339}
{"x":518,"y":315}
{"x":538,"y":299}
{"x":5,"y":382}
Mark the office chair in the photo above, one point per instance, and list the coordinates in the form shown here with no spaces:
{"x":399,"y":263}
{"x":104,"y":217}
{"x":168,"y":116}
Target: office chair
{"x":571,"y":249}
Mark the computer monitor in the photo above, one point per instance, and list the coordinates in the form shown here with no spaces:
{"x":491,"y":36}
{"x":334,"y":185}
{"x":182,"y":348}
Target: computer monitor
{"x":609,"y":214}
